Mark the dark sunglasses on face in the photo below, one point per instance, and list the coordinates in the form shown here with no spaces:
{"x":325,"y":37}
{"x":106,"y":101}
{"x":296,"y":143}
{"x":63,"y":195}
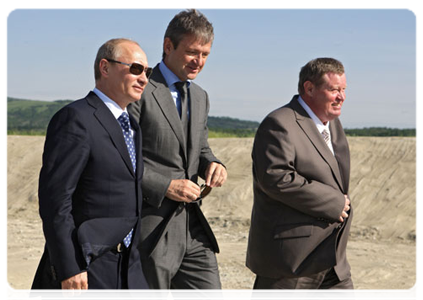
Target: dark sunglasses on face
{"x":205,"y":190}
{"x":134,"y":68}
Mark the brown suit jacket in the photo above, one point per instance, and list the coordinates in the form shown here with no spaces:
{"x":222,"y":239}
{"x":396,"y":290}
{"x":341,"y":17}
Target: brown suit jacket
{"x":299,"y":188}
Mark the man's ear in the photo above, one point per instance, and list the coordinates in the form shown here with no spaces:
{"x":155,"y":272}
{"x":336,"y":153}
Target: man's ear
{"x":168,"y":46}
{"x":104,"y":67}
{"x":309,"y":88}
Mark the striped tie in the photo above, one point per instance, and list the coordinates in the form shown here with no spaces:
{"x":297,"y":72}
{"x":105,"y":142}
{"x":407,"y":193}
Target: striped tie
{"x":326,"y":137}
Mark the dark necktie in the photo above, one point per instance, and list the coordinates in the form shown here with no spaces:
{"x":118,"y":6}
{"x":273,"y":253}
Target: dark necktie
{"x":124,"y":123}
{"x":183,"y":94}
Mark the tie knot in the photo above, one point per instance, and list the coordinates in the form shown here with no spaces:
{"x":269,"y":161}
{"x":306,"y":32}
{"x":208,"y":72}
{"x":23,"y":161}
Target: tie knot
{"x":124,"y":121}
{"x":181,"y":87}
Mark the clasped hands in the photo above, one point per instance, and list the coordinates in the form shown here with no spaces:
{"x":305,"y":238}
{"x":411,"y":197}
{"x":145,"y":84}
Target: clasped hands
{"x":347,"y":207}
{"x":184,"y":190}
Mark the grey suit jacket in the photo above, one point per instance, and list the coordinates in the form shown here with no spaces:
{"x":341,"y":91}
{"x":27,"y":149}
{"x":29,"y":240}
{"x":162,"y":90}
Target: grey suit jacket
{"x":167,"y":155}
{"x":299,"y":188}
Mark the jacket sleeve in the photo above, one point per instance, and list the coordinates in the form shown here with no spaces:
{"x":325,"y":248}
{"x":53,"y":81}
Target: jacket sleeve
{"x":206,"y":154}
{"x":66,"y":152}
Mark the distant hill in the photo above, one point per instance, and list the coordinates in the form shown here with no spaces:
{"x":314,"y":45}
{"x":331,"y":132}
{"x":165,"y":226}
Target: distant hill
{"x":32,"y":117}
{"x":380,"y":131}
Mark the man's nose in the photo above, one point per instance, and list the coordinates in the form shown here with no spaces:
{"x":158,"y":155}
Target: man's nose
{"x":341,"y":95}
{"x":199,"y":59}
{"x":143,"y":77}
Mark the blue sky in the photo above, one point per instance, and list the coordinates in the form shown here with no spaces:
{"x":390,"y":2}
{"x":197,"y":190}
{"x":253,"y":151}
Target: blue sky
{"x":255,"y":60}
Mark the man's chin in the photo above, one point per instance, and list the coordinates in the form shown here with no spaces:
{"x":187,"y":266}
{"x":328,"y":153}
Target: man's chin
{"x":334,"y":116}
{"x":192,"y":75}
{"x":135,"y":98}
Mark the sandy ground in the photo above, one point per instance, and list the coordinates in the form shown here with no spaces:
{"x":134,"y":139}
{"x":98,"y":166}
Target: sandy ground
{"x":382,"y":247}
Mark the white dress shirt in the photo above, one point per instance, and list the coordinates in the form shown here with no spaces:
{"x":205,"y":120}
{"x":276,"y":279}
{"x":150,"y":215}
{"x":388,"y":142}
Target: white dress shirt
{"x":113,"y":106}
{"x":319,"y":124}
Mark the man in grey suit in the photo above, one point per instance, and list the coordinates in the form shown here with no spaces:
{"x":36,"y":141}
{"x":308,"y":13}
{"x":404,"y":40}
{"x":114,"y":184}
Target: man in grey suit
{"x":177,"y":244}
{"x":301,"y":216}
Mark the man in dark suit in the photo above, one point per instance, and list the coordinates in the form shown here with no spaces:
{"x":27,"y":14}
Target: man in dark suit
{"x":301,"y":216}
{"x":177,"y":244}
{"x":90,"y":182}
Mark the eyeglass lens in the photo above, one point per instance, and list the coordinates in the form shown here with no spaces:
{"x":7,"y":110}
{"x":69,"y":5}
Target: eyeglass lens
{"x":137,"y":69}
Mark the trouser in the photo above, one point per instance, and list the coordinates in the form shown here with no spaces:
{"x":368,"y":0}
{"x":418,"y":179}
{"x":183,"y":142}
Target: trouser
{"x":183,"y":258}
{"x":323,"y":280}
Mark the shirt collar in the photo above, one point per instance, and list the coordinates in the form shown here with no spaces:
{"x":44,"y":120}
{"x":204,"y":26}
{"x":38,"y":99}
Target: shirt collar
{"x":320,"y":126}
{"x":112,"y":105}
{"x":169,"y":76}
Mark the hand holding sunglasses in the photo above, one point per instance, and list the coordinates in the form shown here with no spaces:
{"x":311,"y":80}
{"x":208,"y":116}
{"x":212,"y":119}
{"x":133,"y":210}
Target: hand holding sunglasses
{"x":205,"y":190}
{"x":134,"y":68}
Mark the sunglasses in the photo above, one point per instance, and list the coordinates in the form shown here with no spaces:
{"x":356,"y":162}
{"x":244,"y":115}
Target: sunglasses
{"x":205,"y":190}
{"x":134,"y":68}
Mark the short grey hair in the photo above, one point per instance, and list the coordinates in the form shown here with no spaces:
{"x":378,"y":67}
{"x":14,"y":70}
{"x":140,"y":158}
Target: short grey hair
{"x":111,"y":50}
{"x":189,"y":22}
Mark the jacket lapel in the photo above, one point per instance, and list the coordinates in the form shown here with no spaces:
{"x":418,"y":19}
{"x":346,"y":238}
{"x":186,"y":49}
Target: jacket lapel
{"x":342,"y":152}
{"x":138,"y":145}
{"x":194,"y":120}
{"x":165,"y":101}
{"x":109,"y":123}
{"x":310,"y":129}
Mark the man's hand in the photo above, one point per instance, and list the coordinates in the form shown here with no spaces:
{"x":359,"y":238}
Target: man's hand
{"x":77,"y":282}
{"x":183,"y":190}
{"x":344,"y":213}
{"x":215,"y":175}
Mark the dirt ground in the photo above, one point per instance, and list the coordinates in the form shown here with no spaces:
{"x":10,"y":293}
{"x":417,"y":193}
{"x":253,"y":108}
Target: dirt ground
{"x":382,"y":246}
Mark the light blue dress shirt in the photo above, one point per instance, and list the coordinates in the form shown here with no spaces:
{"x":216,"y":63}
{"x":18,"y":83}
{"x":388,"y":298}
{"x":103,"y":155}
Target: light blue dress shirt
{"x":171,"y":79}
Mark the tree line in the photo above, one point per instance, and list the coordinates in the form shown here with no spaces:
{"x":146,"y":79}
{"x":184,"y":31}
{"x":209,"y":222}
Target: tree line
{"x":31,"y":117}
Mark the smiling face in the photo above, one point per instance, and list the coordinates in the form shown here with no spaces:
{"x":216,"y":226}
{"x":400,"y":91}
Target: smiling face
{"x":117,"y":82}
{"x":327,"y":99}
{"x":188,"y":59}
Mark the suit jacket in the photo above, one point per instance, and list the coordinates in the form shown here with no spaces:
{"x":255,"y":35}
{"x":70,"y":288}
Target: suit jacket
{"x":167,"y":155}
{"x":89,"y":195}
{"x":299,"y":188}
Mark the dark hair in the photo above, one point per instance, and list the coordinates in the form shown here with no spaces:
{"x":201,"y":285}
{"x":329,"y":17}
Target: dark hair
{"x":189,"y":22}
{"x":315,"y":69}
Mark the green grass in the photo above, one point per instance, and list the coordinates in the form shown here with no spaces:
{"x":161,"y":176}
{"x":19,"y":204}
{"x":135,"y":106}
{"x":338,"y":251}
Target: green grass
{"x":221,"y":133}
{"x":30,"y":117}
{"x":27,"y":132}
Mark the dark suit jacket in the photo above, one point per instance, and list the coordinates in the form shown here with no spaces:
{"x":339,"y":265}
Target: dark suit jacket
{"x":89,"y":196}
{"x":299,"y":189}
{"x":168,"y":156}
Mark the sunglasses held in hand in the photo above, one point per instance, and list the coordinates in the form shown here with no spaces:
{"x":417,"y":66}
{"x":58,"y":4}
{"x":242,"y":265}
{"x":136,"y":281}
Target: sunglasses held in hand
{"x":134,"y":68}
{"x":205,"y":190}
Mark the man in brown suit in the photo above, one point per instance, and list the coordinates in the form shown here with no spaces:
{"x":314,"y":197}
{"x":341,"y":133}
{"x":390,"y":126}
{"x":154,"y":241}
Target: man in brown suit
{"x":301,"y":216}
